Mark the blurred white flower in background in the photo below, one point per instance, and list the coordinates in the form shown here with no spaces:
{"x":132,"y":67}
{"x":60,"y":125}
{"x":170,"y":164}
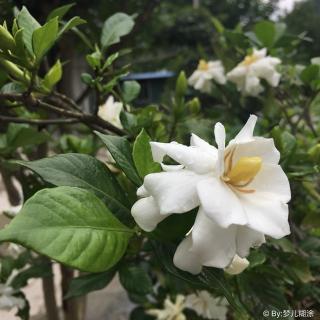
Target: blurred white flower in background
{"x":7,"y":298}
{"x":237,"y":265}
{"x":205,"y":305}
{"x":110,"y":112}
{"x":171,"y":310}
{"x":247,"y":75}
{"x":201,"y":79}
{"x":240,"y":189}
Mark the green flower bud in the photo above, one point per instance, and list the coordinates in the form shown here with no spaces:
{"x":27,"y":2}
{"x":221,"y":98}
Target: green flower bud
{"x":14,"y":71}
{"x":182,"y":84}
{"x":194,"y":105}
{"x":6,"y":40}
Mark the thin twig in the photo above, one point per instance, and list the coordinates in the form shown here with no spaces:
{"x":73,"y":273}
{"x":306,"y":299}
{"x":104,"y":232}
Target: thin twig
{"x":37,"y":121}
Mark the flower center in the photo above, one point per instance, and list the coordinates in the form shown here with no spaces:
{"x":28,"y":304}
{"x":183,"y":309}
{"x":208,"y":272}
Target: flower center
{"x":242,"y":173}
{"x":250,"y":59}
{"x":203,"y":65}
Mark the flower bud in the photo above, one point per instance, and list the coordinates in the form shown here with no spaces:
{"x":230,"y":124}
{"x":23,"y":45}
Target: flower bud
{"x":194,"y":105}
{"x":14,"y":71}
{"x":237,"y":265}
{"x":6,"y":40}
{"x":182,"y":84}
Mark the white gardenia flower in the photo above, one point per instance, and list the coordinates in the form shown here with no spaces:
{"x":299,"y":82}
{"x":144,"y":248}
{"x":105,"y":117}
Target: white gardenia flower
{"x":237,"y":265}
{"x":240,"y":189}
{"x":110,"y":112}
{"x":248,"y":73}
{"x":201,"y":79}
{"x":206,"y":306}
{"x":171,"y":310}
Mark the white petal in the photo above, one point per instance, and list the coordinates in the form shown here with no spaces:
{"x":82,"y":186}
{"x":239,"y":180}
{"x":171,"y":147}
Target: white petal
{"x":246,"y":239}
{"x":215,"y":246}
{"x":266,"y":214}
{"x":186,"y":260}
{"x":196,"y":141}
{"x":174,"y":192}
{"x":220,"y":203}
{"x":252,"y":85}
{"x":259,"y":147}
{"x":237,"y":266}
{"x":260,"y":53}
{"x":146,"y":213}
{"x":220,"y":137}
{"x":142,"y":192}
{"x":168,"y":168}
{"x":272,"y":180}
{"x":246,"y":133}
{"x":191,"y":157}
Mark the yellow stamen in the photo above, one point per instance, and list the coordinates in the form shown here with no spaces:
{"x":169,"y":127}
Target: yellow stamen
{"x":244,"y":170}
{"x":249,"y":60}
{"x":203,"y":65}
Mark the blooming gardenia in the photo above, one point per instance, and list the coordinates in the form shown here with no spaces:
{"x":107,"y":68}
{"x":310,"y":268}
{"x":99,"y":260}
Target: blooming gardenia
{"x":110,"y":112}
{"x":201,"y":79}
{"x":206,"y":306}
{"x":240,"y":189}
{"x":171,"y":310}
{"x":256,"y":66}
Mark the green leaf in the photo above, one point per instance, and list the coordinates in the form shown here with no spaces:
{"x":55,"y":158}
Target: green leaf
{"x":266,"y":33}
{"x":310,"y":73}
{"x":29,"y":25}
{"x":90,"y":282}
{"x":131,"y":90}
{"x":44,"y":38}
{"x":83,"y":171}
{"x":135,"y":279}
{"x":120,"y":150}
{"x":115,"y":27}
{"x":72,"y":23}
{"x":142,"y":155}
{"x":53,"y":76}
{"x":60,"y":11}
{"x":72,"y":226}
{"x":86,"y":78}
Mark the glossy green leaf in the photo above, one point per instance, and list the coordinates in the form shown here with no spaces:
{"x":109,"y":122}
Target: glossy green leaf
{"x":60,"y":12}
{"x":29,"y":25}
{"x":310,"y":73}
{"x":115,"y":27}
{"x":120,"y":149}
{"x":135,"y":279}
{"x":83,"y":171}
{"x":72,"y":226}
{"x":85,"y":284}
{"x":44,"y":38}
{"x":53,"y":76}
{"x":142,"y":155}
{"x":72,"y":23}
{"x":131,"y":90}
{"x":265,"y":31}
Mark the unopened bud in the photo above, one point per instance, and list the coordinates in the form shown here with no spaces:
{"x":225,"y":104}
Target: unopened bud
{"x":14,"y":71}
{"x":182,"y":84}
{"x":194,"y":105}
{"x":6,"y":40}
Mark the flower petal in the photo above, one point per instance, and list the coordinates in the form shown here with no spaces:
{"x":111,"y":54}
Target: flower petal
{"x":196,"y":141}
{"x":247,"y":238}
{"x":146,"y":213}
{"x":220,"y":137}
{"x":220,"y":203}
{"x":215,"y":246}
{"x":237,"y":266}
{"x":186,"y":260}
{"x":266,"y":214}
{"x":271,"y":179}
{"x":174,"y":192}
{"x":246,"y":133}
{"x":191,"y":157}
{"x":259,"y":147}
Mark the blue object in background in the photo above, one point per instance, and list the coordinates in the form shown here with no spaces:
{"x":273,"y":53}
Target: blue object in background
{"x":152,"y":85}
